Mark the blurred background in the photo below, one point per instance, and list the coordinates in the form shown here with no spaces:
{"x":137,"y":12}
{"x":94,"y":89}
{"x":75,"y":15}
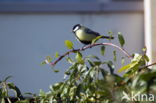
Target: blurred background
{"x":30,"y":30}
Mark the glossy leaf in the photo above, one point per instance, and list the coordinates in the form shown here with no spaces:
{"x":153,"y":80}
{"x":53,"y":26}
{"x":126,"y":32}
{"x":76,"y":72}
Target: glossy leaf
{"x":96,"y":39}
{"x":93,"y":56}
{"x":56,"y":55}
{"x":23,"y":101}
{"x":148,"y":76}
{"x":42,"y":93}
{"x":103,"y":72}
{"x":146,"y":58}
{"x":56,"y":70}
{"x":111,"y":66}
{"x":69,"y":60}
{"x":68,"y":44}
{"x":122,"y":60}
{"x":110,"y":33}
{"x":121,"y":39}
{"x":97,"y":63}
{"x":91,"y":63}
{"x":131,"y":65}
{"x":16,"y":90}
{"x":114,"y":53}
{"x":2,"y":100}
{"x":7,"y":78}
{"x":144,"y":49}
{"x":43,"y":63}
{"x":79,"y":57}
{"x":47,"y":60}
{"x":124,"y":68}
{"x":102,"y":50}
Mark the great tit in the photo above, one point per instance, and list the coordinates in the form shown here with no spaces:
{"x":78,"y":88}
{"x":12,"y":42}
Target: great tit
{"x":86,"y":35}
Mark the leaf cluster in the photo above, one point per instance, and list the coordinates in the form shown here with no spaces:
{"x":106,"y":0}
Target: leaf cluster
{"x":91,"y":80}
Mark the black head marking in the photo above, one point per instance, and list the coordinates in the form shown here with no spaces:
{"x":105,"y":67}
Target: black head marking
{"x":76,"y":27}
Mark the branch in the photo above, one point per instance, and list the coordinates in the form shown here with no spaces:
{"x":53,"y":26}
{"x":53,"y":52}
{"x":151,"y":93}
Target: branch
{"x":90,"y":46}
{"x":149,"y":65}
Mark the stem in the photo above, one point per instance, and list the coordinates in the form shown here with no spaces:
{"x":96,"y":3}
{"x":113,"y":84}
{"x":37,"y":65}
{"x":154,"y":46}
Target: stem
{"x":90,"y":46}
{"x":8,"y":100}
{"x":149,"y":65}
{"x":6,"y":90}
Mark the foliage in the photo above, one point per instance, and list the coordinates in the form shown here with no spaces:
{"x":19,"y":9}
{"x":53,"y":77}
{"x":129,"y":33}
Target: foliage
{"x":91,"y":80}
{"x":6,"y":88}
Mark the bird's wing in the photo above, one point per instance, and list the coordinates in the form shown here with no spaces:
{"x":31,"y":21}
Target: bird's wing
{"x":91,"y":32}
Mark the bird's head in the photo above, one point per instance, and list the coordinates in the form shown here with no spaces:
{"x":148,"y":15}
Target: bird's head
{"x":76,"y":27}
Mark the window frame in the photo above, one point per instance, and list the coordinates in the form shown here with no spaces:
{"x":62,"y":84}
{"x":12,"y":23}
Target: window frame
{"x":72,"y":7}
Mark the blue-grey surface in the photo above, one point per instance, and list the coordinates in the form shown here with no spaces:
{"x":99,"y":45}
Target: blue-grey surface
{"x":26,"y":39}
{"x":44,"y":0}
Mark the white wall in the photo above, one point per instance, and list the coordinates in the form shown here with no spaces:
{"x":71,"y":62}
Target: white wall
{"x":150,"y":31}
{"x":26,"y":39}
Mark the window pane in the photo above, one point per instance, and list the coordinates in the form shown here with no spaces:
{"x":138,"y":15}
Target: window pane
{"x":44,"y":0}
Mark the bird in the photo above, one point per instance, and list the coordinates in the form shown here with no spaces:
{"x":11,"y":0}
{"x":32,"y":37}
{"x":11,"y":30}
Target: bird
{"x":86,"y":35}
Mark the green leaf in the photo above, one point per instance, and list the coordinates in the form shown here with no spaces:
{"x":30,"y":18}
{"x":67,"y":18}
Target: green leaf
{"x":72,"y":92}
{"x":2,"y":100}
{"x":96,"y":39}
{"x":103,"y":72}
{"x":69,"y":60}
{"x":47,"y":60}
{"x":68,"y":44}
{"x":148,"y":76}
{"x":43,"y":63}
{"x":67,"y":73}
{"x":15,"y":89}
{"x":93,"y":56}
{"x":56,"y":71}
{"x":144,"y":49}
{"x":56,"y":55}
{"x":146,"y":58}
{"x":97,"y":63}
{"x":79,"y":57}
{"x":30,"y":94}
{"x":122,"y":60}
{"x":121,"y":39}
{"x":137,"y":57}
{"x":79,"y":89}
{"x":57,"y":86}
{"x":124,"y":68}
{"x":131,"y":65}
{"x":91,"y":63}
{"x":111,"y":66}
{"x":8,"y":77}
{"x":23,"y":101}
{"x":92,"y":72}
{"x":110,"y":33}
{"x":114,"y":53}
{"x":102,"y":50}
{"x":42,"y":93}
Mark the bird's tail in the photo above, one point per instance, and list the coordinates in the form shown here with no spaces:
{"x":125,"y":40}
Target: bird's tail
{"x":107,"y":37}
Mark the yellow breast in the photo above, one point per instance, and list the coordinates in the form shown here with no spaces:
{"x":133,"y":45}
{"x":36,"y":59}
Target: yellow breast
{"x":84,"y":36}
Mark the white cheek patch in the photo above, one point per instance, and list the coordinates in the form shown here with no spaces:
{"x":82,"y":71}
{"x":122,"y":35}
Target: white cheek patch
{"x":76,"y":28}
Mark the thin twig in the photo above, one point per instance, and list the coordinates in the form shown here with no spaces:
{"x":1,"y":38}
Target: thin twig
{"x":90,"y":46}
{"x":148,"y":65}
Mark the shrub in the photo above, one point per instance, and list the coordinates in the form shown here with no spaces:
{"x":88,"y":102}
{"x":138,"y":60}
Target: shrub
{"x":88,"y":81}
